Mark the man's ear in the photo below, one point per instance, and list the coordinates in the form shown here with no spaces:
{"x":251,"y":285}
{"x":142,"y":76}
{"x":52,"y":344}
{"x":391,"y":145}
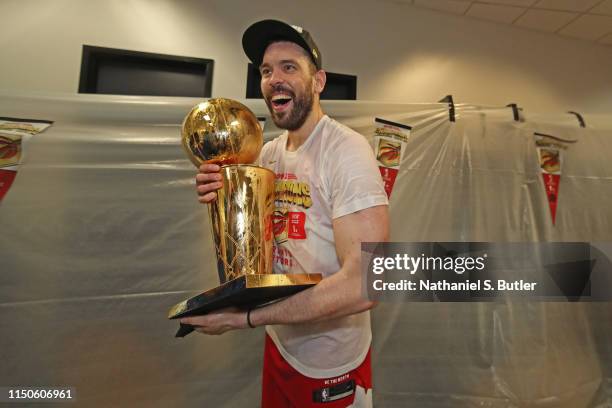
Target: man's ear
{"x":320,"y":79}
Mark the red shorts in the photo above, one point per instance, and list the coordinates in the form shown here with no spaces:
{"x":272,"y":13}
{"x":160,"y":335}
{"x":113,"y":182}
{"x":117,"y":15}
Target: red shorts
{"x":284,"y":387}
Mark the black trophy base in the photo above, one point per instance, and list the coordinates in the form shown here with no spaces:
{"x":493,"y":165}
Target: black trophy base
{"x":246,"y":291}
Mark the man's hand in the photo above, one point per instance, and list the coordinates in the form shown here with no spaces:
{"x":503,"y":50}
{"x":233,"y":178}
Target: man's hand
{"x":218,"y":322}
{"x":208,"y":180}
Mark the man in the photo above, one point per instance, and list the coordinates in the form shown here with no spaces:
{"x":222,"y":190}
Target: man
{"x":329,"y":198}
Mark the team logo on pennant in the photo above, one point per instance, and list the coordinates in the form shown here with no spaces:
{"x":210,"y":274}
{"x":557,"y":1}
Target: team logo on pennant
{"x":10,"y":150}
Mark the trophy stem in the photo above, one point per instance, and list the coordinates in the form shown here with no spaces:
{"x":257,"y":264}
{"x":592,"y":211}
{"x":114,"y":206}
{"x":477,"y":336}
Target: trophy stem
{"x":241,"y":220}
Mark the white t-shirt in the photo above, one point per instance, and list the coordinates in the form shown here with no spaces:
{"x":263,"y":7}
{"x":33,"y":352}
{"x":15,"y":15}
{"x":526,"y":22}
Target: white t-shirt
{"x":332,"y":174}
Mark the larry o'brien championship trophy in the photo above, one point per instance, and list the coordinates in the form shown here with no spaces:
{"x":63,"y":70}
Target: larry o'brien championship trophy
{"x":227,"y":133}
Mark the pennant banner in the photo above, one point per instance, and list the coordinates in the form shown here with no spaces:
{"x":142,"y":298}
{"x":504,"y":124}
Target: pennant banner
{"x":14,"y":133}
{"x":390,"y":141}
{"x":550,"y":158}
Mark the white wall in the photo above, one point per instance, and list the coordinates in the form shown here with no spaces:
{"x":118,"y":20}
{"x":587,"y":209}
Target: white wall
{"x":400,"y":53}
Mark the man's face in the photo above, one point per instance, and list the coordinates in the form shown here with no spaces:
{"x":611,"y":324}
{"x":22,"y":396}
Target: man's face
{"x":287,"y":84}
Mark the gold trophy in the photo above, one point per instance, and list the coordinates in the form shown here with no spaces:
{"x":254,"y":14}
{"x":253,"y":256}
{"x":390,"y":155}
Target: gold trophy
{"x":225,"y":132}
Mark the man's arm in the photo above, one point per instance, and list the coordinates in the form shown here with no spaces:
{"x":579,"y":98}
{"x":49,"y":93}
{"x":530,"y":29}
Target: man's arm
{"x":337,"y":295}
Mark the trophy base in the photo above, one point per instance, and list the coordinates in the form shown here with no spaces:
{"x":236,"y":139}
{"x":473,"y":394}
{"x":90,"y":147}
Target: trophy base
{"x":246,"y":291}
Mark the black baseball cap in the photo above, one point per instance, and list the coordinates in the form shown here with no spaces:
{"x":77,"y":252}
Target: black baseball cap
{"x":259,"y":35}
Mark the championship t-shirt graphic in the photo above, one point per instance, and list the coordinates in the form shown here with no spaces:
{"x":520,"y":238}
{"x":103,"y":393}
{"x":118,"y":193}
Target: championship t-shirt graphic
{"x":292,"y":199}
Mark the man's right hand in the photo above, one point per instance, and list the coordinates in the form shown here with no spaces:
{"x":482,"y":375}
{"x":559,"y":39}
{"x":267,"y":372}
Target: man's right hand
{"x":208,"y":180}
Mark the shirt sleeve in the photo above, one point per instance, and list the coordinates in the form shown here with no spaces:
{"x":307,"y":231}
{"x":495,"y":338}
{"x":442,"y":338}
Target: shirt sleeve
{"x":355,"y":180}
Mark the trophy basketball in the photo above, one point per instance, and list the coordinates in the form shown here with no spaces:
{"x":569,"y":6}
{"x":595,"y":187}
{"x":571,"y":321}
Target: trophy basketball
{"x":227,"y":133}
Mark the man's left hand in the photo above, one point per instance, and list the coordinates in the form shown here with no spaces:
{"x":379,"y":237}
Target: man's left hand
{"x":218,"y":322}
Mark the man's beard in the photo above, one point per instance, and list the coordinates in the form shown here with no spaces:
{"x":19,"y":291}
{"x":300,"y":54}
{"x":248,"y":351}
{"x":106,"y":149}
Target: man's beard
{"x":295,"y":118}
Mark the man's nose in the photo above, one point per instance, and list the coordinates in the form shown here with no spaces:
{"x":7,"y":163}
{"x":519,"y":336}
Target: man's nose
{"x":276,"y":78}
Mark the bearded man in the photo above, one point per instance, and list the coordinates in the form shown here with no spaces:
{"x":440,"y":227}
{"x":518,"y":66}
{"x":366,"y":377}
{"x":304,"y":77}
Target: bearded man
{"x":317,"y":347}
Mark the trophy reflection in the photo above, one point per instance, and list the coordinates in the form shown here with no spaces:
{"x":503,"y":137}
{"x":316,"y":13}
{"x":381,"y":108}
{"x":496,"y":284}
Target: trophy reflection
{"x":225,"y":132}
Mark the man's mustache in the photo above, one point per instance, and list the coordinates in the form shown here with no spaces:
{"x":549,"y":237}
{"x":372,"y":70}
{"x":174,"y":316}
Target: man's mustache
{"x":280,"y":88}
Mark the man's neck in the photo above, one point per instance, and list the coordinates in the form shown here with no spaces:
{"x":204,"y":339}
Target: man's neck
{"x":296,"y":138}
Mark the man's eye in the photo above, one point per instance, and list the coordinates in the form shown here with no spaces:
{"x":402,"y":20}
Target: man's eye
{"x":289,"y":67}
{"x":264,"y":72}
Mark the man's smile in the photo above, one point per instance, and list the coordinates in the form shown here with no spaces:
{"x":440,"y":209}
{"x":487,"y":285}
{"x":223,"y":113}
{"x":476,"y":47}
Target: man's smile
{"x":281,"y":102}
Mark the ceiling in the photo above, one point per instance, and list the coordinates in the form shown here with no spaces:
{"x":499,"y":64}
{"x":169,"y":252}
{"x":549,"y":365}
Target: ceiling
{"x":589,"y":20}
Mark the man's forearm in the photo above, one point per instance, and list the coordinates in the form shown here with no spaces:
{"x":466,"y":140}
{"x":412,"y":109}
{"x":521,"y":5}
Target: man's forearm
{"x":337,"y":295}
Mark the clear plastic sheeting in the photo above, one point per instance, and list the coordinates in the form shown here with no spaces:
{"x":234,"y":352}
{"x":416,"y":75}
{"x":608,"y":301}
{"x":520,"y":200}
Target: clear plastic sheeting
{"x":101,"y":233}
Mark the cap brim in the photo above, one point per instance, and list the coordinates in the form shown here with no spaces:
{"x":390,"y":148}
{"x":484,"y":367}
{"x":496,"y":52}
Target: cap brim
{"x":258,"y":36}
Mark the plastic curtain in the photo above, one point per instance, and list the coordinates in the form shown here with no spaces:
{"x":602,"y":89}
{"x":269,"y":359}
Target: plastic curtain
{"x":101,"y":233}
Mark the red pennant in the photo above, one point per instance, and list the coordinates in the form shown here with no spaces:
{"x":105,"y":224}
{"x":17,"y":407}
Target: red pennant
{"x":6,"y":179}
{"x":388,"y":175}
{"x":551,"y":184}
